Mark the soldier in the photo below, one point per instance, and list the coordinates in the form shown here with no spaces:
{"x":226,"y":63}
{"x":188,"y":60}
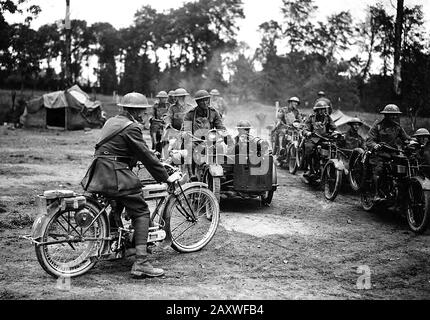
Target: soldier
{"x":172,"y":99}
{"x":353,"y":139}
{"x":285,"y":117}
{"x":218,"y":103}
{"x":159,"y":112}
{"x":176,"y":113}
{"x":202,"y":118}
{"x":322,"y":97}
{"x":388,"y":131}
{"x":423,"y":137}
{"x":118,"y":149}
{"x":320,"y":123}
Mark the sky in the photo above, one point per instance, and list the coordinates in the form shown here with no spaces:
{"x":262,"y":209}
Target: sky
{"x":120,"y":14}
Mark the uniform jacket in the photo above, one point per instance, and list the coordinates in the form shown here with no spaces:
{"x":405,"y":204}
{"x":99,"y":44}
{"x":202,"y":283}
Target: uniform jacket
{"x":282,"y":115}
{"x":321,"y":126}
{"x":160,"y":110}
{"x":353,"y":140}
{"x":110,"y":172}
{"x":386,"y":132}
{"x":219,"y":105}
{"x":176,"y":114}
{"x":203,"y":119}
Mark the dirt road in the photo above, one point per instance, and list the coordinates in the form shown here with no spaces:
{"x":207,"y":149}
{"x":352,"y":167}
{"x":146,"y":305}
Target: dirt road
{"x":302,"y":247}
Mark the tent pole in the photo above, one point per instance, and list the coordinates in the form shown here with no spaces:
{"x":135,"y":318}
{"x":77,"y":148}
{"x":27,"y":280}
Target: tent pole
{"x":65,"y":119}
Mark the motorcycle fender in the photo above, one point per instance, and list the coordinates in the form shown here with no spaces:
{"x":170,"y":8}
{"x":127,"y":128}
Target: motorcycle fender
{"x":337,"y":164}
{"x":45,"y":213}
{"x":425,"y":183}
{"x":216,"y":170}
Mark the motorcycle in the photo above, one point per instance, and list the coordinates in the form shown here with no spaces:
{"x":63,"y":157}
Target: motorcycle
{"x":295,"y":147}
{"x":403,"y":185}
{"x":73,"y":232}
{"x":231,"y":174}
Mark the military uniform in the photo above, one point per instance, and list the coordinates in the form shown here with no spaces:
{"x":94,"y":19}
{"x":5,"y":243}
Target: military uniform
{"x":322,"y":125}
{"x":157,"y":122}
{"x":176,"y":114}
{"x":285,"y":117}
{"x":386,"y":132}
{"x":219,"y":105}
{"x":110,"y":172}
{"x":353,"y":140}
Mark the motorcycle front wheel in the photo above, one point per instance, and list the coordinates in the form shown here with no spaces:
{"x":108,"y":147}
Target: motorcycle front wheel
{"x":293,"y":161}
{"x":418,"y":208}
{"x":187,"y":234}
{"x":332,"y":180}
{"x":72,"y":250}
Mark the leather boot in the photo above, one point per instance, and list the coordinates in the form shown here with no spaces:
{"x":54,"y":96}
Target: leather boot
{"x":142,"y":267}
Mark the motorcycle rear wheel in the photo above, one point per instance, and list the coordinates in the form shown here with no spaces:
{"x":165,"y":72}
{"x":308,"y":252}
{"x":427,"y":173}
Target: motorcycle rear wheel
{"x":71,"y":259}
{"x":418,"y":208}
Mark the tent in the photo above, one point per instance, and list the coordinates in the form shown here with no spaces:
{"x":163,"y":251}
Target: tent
{"x":341,"y":121}
{"x":71,"y":109}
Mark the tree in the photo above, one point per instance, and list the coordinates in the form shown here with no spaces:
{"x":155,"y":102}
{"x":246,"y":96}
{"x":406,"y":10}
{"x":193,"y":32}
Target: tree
{"x":398,"y":47}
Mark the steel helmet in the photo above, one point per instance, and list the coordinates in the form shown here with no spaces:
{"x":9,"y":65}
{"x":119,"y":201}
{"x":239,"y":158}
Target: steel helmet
{"x":294,"y":99}
{"x":171,"y":93}
{"x":355,"y":120}
{"x":391,"y":109}
{"x":162,"y":94}
{"x":201,"y":94}
{"x":180,"y":92}
{"x":422,"y":132}
{"x":321,"y":93}
{"x":321,"y":105}
{"x":244,"y":124}
{"x":134,"y":100}
{"x":215,"y":92}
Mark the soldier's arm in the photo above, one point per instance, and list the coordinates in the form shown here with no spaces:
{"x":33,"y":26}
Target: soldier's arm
{"x":218,"y":123}
{"x":403,"y":135}
{"x":331,"y":125}
{"x":169,"y":116}
{"x":134,"y":139}
{"x":372,"y":139}
{"x":308,"y":126}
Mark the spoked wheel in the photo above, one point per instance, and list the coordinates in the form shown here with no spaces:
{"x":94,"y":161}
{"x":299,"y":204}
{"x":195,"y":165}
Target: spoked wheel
{"x":293,"y":161}
{"x":332,"y":180}
{"x":356,"y":169}
{"x":187,"y":222}
{"x":69,"y":256}
{"x":367,"y":198}
{"x":418,"y":208}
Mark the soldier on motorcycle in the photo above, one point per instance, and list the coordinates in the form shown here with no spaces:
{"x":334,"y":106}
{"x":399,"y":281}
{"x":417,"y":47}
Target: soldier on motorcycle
{"x":171,"y":99}
{"x":423,"y":138}
{"x":322,"y":97}
{"x":285,"y":117}
{"x":118,"y":149}
{"x":176,"y":113}
{"x":353,"y":139}
{"x":201,"y":119}
{"x":319,"y":123}
{"x":160,"y":109}
{"x":389,"y":132}
{"x":218,"y":103}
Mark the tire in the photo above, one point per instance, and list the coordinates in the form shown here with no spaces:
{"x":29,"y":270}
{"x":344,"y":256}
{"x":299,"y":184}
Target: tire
{"x":356,"y":169}
{"x":214,"y":184}
{"x":190,"y":236}
{"x":367,"y":201}
{"x":267,"y":197}
{"x":74,"y":265}
{"x":417,"y":213}
{"x":293,"y":164}
{"x":332,"y":181}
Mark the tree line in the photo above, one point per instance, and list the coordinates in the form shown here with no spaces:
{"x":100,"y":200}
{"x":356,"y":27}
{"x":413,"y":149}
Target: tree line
{"x":192,"y":46}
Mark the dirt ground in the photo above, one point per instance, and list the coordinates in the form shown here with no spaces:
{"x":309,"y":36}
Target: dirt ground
{"x":302,"y":247}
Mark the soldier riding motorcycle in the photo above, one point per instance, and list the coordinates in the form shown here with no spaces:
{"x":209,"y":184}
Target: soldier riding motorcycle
{"x":160,"y":109}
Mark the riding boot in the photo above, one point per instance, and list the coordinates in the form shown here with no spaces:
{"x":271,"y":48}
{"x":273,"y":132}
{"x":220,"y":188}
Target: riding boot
{"x":377,"y":196}
{"x":142,"y":267}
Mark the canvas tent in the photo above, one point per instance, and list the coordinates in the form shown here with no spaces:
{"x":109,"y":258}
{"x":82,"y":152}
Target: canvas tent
{"x":341,"y":121}
{"x":71,"y":109}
